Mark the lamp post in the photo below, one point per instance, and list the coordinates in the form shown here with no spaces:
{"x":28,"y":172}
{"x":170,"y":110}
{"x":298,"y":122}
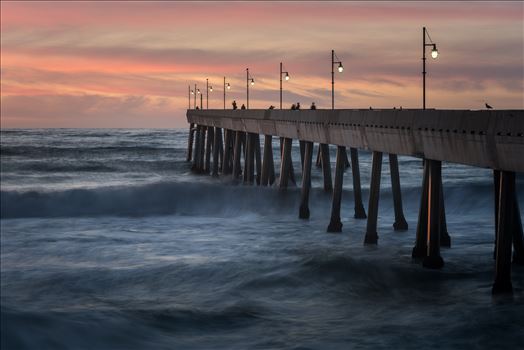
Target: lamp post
{"x":194,"y":92}
{"x":249,"y":80}
{"x":189,"y":96}
{"x":434,"y":55}
{"x":226,"y":86}
{"x":208,"y":89}
{"x":340,"y":69}
{"x":287,"y":78}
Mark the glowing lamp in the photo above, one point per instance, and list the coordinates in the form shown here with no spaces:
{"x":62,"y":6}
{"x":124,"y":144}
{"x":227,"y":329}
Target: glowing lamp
{"x":434,"y":52}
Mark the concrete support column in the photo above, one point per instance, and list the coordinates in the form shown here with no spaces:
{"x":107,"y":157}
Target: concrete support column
{"x":400,"y":221}
{"x":306,"y":180}
{"x":433,"y":259}
{"x":190,"y":142}
{"x":258,"y":161}
{"x":216,"y":150}
{"x":419,"y":250}
{"x":319,"y":158}
{"x":506,"y":223}
{"x":285,"y":164}
{"x":302,"y":145}
{"x":197,"y":151}
{"x":518,"y":239}
{"x":445,"y":239}
{"x":374,"y":194}
{"x":249,"y":162}
{"x":335,"y":225}
{"x":220,"y":150}
{"x":209,"y":145}
{"x":226,"y":161}
{"x":236,"y":155}
{"x":360,"y":213}
{"x":326,"y":166}
{"x":496,"y":185}
{"x":267,"y":161}
{"x":202,"y":148}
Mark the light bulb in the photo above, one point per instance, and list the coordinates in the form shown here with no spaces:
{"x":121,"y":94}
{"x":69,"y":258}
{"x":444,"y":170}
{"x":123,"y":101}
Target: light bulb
{"x":211,"y":88}
{"x":434,"y":53}
{"x":340,"y":68}
{"x":228,"y":86}
{"x":287,"y":76}
{"x":252,"y":82}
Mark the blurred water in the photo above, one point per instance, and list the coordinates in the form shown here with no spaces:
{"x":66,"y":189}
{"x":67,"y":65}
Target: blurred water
{"x":109,"y":242}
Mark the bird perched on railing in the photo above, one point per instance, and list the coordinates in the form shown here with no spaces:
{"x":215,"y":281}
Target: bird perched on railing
{"x":488,"y":106}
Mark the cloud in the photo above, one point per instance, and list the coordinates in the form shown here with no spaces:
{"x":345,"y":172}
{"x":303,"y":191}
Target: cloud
{"x":85,"y":111}
{"x":130,"y":63}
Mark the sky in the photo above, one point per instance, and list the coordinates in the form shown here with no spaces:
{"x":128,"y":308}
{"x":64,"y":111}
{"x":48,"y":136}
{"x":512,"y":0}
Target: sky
{"x":129,"y":64}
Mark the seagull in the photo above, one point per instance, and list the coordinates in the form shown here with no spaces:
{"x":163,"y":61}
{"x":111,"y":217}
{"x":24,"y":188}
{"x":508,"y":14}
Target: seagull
{"x":488,"y":106}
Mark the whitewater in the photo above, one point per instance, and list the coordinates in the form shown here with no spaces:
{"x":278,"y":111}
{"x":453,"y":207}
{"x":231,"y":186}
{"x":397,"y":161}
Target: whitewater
{"x":109,"y":241}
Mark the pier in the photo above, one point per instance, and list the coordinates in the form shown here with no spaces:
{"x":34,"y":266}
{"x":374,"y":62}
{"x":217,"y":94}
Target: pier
{"x":486,"y":139}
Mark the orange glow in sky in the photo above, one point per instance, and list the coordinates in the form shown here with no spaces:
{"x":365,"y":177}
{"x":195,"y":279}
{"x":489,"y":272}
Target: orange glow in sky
{"x":129,"y":64}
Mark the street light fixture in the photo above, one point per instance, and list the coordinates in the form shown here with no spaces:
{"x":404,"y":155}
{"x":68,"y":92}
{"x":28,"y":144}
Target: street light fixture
{"x":228,"y":87}
{"x":434,"y":55}
{"x":249,"y":80}
{"x":286,"y":77}
{"x":340,"y":69}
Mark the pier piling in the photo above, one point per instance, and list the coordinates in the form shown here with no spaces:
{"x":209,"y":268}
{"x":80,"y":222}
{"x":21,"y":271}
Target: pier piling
{"x":267,"y":160}
{"x":360,"y":213}
{"x":420,"y":248}
{"x":374,"y":194}
{"x":216,"y":150}
{"x":335,"y":224}
{"x":506,"y":223}
{"x":433,"y":260}
{"x":226,"y":161}
{"x":400,"y":223}
{"x":445,"y":239}
{"x":236,"y":155}
{"x":209,"y":145}
{"x":258,"y":161}
{"x":197,"y":152}
{"x":285,"y":164}
{"x":249,"y":163}
{"x":306,"y":181}
{"x":190,"y":142}
{"x":326,"y":166}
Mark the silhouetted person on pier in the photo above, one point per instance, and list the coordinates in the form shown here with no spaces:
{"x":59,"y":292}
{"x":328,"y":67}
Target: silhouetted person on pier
{"x":488,"y":106}
{"x":313,"y":105}
{"x":243,"y":106}
{"x":197,"y":107}
{"x":298,"y":105}
{"x":400,"y":107}
{"x":370,"y":108}
{"x":234,"y":104}
{"x":271,"y":107}
{"x":293,"y":107}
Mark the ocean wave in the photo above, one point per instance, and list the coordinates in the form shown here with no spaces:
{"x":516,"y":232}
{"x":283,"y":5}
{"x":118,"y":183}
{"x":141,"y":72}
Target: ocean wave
{"x":32,"y":151}
{"x":212,"y":199}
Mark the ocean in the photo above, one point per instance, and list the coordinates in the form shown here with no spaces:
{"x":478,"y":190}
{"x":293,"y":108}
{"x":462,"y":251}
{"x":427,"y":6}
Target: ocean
{"x":109,"y":241}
